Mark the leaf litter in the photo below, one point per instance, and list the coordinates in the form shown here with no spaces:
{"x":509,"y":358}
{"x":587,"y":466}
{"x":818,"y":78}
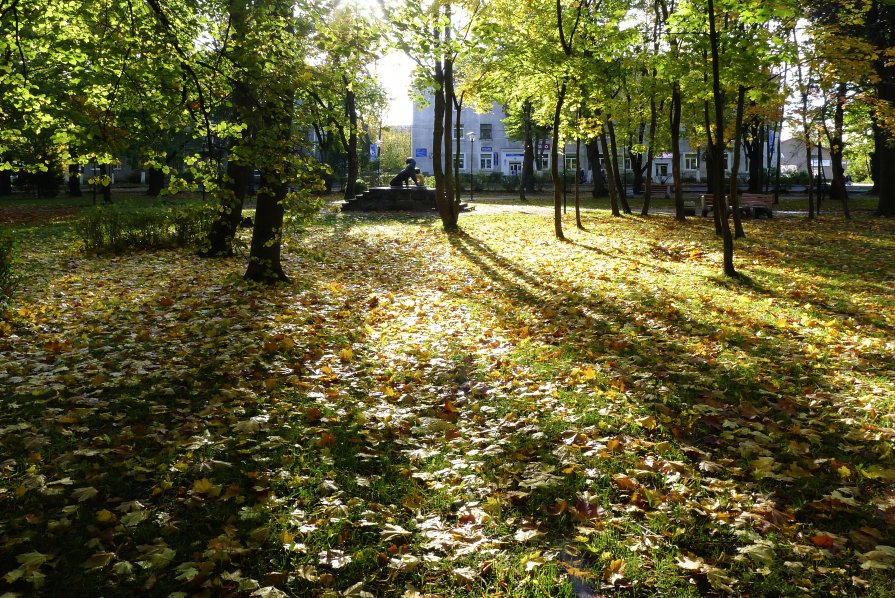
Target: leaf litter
{"x":488,"y":412}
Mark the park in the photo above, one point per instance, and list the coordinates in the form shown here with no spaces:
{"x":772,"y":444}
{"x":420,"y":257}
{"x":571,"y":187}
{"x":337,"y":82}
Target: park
{"x":235,"y":361}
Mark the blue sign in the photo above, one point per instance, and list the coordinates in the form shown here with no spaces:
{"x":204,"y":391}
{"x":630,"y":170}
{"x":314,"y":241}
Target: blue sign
{"x":373,"y":151}
{"x":486,"y":149}
{"x":421,"y":152}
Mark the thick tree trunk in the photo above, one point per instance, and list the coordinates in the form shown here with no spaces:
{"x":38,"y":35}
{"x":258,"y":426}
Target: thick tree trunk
{"x":6,"y":183}
{"x":554,"y":166}
{"x":755,"y":156}
{"x":439,"y":107}
{"x":620,"y":185}
{"x":610,"y":180}
{"x":155,"y":177}
{"x":353,"y":168}
{"x":74,"y":181}
{"x":596,"y":173}
{"x":838,"y":189}
{"x":453,"y":202}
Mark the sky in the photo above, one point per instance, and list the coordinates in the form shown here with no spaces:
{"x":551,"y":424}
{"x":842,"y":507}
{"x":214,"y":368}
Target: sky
{"x":394,"y":70}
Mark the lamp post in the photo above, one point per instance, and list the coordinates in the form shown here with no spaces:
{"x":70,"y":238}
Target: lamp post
{"x":471,"y":136}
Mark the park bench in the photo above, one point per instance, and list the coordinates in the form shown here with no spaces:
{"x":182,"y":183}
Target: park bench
{"x":751,"y":204}
{"x":663,"y":189}
{"x":756,"y":204}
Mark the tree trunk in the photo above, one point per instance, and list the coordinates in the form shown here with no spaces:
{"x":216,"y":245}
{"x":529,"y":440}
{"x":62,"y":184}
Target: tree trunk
{"x":74,"y":181}
{"x":755,"y":156}
{"x":676,"y":151}
{"x":637,"y":160}
{"x":156,"y":180}
{"x":274,"y":143}
{"x":106,"y":183}
{"x":6,"y":183}
{"x":554,"y":166}
{"x":527,"y":184}
{"x":653,"y":118}
{"x":820,"y":175}
{"x":610,"y":180}
{"x":353,"y":168}
{"x":839,"y":190}
{"x":223,"y":231}
{"x":453,"y":202}
{"x":267,"y":235}
{"x":735,"y":169}
{"x":596,"y":172}
{"x":622,"y":191}
{"x":718,"y":145}
{"x":439,"y":107}
{"x":458,"y":107}
{"x":578,"y":184}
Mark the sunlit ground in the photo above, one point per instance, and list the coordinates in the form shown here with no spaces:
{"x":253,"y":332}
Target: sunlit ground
{"x":493,"y":412}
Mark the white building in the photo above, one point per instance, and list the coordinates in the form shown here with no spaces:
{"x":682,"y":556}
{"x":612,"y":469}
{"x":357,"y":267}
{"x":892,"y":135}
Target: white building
{"x":492,"y":151}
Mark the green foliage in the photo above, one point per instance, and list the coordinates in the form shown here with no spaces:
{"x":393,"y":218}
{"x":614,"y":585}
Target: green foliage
{"x":8,"y":278}
{"x":115,"y":229}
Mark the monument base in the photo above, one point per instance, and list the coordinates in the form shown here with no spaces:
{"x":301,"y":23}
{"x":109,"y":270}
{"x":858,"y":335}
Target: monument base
{"x":394,"y":199}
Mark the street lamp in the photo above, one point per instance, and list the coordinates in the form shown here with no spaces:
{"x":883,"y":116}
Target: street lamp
{"x":471,"y":136}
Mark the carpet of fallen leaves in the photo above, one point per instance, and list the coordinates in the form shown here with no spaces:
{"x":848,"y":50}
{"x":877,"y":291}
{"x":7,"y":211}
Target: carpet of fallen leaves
{"x":492,"y":412}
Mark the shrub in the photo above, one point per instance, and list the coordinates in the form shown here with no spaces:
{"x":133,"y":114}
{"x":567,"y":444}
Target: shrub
{"x":510,"y":183}
{"x":7,"y":269}
{"x":115,"y":229}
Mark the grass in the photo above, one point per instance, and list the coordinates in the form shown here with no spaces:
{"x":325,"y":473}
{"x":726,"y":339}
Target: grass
{"x":489,"y":413}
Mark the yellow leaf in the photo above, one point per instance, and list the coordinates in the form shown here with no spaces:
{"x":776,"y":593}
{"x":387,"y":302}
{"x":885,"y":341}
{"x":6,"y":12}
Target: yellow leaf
{"x":106,"y":516}
{"x":346,"y":354}
{"x":203,"y":486}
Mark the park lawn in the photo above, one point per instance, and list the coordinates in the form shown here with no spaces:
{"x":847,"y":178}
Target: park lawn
{"x":493,"y":412}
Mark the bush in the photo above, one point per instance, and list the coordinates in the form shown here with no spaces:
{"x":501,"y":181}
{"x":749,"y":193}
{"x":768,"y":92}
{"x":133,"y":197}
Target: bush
{"x":509,"y":183}
{"x":8,"y":278}
{"x":117,"y":230}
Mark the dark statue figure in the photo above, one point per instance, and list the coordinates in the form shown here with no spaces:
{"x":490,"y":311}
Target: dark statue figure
{"x":405,"y":176}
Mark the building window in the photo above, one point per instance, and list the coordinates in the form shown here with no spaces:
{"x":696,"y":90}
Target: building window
{"x":462,"y":132}
{"x":542,"y":162}
{"x":691,"y":161}
{"x":462,"y":161}
{"x":485,"y":131}
{"x":572,"y":163}
{"x":486,"y":161}
{"x":726,"y":162}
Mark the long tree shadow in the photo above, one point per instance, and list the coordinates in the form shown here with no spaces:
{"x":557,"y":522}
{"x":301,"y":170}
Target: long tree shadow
{"x":773,"y":419}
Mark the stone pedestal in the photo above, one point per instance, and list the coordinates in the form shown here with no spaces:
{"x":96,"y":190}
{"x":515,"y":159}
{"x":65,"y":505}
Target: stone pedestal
{"x":393,"y":199}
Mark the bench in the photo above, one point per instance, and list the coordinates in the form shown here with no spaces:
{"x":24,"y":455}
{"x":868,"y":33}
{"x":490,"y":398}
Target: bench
{"x":751,"y":204}
{"x":660,"y":188}
{"x":756,"y":204}
{"x":708,"y":202}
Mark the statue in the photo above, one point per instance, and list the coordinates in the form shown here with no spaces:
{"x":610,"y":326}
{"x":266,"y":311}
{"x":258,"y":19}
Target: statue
{"x":405,"y":176}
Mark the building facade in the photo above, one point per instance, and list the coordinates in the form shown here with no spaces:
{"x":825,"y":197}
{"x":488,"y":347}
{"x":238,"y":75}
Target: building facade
{"x":493,"y":151}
